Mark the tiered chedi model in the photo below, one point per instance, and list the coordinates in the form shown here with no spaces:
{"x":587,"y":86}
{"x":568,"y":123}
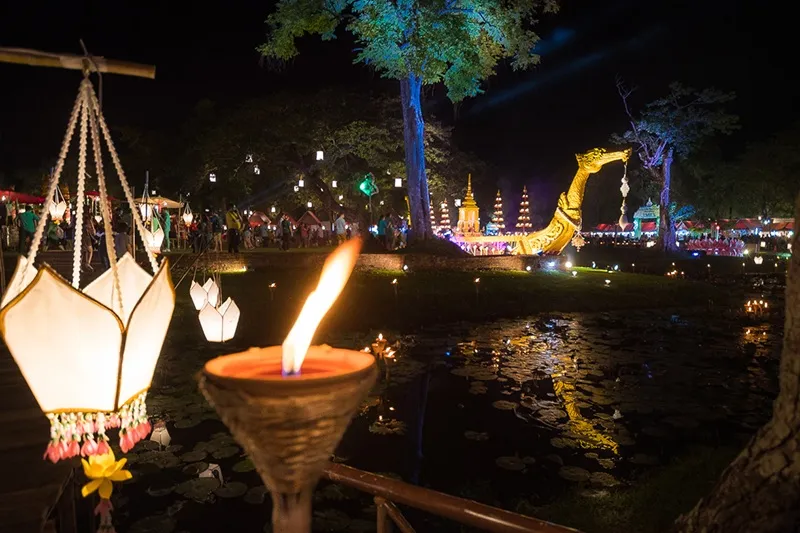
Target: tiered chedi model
{"x":469,"y":222}
{"x":444,"y":217}
{"x":497,"y":216}
{"x":524,"y":218}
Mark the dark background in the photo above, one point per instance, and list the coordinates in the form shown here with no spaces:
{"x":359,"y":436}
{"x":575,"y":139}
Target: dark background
{"x":527,"y":125}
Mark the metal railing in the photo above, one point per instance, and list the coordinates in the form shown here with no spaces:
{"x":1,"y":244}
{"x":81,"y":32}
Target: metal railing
{"x":388,"y":492}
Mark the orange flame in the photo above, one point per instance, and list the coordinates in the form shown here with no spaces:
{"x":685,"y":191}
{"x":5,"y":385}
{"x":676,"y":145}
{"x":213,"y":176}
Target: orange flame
{"x":335,"y":274}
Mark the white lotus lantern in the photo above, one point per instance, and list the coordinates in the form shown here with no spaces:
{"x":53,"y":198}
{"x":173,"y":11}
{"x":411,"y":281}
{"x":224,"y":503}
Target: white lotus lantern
{"x":208,"y":292}
{"x":160,"y":434}
{"x":758,"y":260}
{"x":153,"y":240}
{"x":188,"y":216}
{"x":219,"y":323}
{"x":92,"y":369}
{"x":57,"y":206}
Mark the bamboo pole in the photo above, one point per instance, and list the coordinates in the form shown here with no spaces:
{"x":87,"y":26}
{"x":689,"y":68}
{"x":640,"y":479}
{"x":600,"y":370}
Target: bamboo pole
{"x":35,"y":58}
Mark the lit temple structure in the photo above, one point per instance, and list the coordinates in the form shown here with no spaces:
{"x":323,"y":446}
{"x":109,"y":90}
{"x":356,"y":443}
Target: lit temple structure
{"x":469,"y":222}
{"x":566,"y":221}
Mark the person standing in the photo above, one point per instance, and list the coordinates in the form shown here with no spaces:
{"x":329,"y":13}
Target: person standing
{"x":27,"y":227}
{"x":286,"y":233}
{"x":234,"y":222}
{"x":382,"y":230}
{"x":216,"y":228}
{"x":341,"y":228}
{"x":167,"y":230}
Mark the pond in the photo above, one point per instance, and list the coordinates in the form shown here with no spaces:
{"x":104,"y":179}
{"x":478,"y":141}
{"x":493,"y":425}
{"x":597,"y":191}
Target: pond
{"x":502,"y":412}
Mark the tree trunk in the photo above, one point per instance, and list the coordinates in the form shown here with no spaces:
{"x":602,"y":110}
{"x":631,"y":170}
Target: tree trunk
{"x":760,"y":490}
{"x":666,"y":225}
{"x":414,"y":139}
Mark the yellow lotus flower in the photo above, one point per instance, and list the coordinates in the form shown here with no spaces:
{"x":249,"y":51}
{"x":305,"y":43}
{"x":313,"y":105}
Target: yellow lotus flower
{"x":102,"y":470}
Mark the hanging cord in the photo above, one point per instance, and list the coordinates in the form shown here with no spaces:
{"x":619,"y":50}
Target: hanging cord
{"x":194,"y":264}
{"x":624,"y":189}
{"x":105,"y":209}
{"x":81,"y":200}
{"x":88,"y":58}
{"x":123,"y":181}
{"x":62,"y":156}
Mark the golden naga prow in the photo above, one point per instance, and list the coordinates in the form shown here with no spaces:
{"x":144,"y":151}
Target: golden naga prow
{"x":567,"y":218}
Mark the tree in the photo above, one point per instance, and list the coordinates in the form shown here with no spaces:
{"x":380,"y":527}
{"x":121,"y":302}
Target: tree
{"x":673,"y":126}
{"x":418,"y":42}
{"x":758,"y":492}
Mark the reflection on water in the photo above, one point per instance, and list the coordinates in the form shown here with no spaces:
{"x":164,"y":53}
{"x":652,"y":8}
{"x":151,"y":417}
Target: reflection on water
{"x":499,"y":412}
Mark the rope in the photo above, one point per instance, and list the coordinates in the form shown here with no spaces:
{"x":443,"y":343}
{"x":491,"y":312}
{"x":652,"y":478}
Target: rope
{"x":105,"y":210}
{"x":123,"y":181}
{"x":62,"y":156}
{"x":78,"y":237}
{"x":624,"y":189}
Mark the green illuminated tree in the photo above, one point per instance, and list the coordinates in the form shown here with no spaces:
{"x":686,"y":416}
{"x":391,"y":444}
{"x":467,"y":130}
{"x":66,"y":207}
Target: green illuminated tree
{"x":418,"y":42}
{"x":673,"y":126}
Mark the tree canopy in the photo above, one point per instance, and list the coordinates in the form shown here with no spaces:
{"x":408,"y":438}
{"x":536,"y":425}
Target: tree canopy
{"x":455,"y":42}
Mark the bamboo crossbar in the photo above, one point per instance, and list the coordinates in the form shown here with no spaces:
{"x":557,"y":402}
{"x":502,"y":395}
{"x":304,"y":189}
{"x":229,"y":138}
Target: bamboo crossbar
{"x":35,"y":58}
{"x":467,"y":512}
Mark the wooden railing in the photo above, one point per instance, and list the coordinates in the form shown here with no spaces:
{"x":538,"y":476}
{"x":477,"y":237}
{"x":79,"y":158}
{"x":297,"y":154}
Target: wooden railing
{"x":388,"y":492}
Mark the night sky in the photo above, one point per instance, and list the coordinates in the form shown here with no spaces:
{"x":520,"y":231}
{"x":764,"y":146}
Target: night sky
{"x":527,"y":124}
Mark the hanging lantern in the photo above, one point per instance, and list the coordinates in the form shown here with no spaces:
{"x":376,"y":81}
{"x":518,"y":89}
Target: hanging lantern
{"x":92,"y":371}
{"x":219,"y":323}
{"x":57,"y":206}
{"x":105,"y":366}
{"x":153,"y":240}
{"x":188,"y":216}
{"x":146,"y":210}
{"x":160,"y":434}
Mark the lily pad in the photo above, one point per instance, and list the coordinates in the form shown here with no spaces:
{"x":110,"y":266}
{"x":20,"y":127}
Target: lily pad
{"x":331,"y":520}
{"x":484,"y":375}
{"x":193,"y":456}
{"x":513,"y":463}
{"x":157,"y":492}
{"x":603,"y":479}
{"x":174,"y":448}
{"x":189,"y":422}
{"x":194,"y":469}
{"x":154,"y":524}
{"x":232,"y":489}
{"x":255,"y":495}
{"x":553,"y":458}
{"x":227,"y":451}
{"x":244,"y":466}
{"x":504,"y":405}
{"x":528,"y":460}
{"x":160,"y":459}
{"x":479,"y":389}
{"x":199,"y":489}
{"x":574,"y":474}
{"x":476,"y":435}
{"x":608,"y":464}
{"x":562,"y":442}
{"x":148,"y":445}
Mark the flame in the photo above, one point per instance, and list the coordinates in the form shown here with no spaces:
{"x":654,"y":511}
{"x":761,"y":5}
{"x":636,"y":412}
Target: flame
{"x":335,"y":274}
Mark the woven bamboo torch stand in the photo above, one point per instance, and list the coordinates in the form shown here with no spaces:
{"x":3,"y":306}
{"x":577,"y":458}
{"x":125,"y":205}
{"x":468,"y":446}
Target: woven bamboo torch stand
{"x":289,"y":426}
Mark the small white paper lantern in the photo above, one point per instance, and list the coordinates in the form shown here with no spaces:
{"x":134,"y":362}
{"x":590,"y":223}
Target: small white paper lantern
{"x":334,"y":184}
{"x":301,"y":183}
{"x":105,"y":356}
{"x":398,"y":182}
{"x":320,"y":155}
{"x":758,"y":260}
{"x":153,"y":240}
{"x":188,"y":216}
{"x":57,"y":210}
{"x":160,"y":434}
{"x":212,"y":292}
{"x":219,"y":323}
{"x":198,"y":295}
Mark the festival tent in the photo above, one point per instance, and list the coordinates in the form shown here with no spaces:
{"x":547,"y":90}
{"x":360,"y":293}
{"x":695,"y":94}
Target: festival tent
{"x":309,"y":219}
{"x":162,"y":202}
{"x":259,"y":219}
{"x":21,"y":197}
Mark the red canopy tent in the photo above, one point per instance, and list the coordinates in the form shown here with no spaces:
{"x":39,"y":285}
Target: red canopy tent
{"x":258,"y":219}
{"x":21,"y":197}
{"x":94,"y":195}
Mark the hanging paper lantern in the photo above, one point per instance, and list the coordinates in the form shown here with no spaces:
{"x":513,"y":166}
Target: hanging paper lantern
{"x":219,"y":323}
{"x":188,"y":216}
{"x":92,"y":371}
{"x":153,"y":240}
{"x":57,"y":210}
{"x":146,"y":210}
